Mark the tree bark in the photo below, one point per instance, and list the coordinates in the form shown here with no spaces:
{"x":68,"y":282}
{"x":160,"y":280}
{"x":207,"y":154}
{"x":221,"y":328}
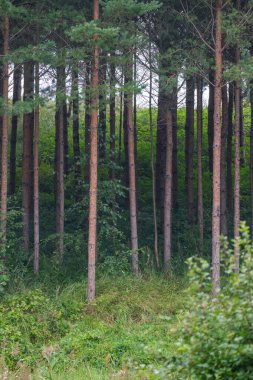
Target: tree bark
{"x":237,"y":155}
{"x":168,"y":190}
{"x":217,"y":150}
{"x":120,"y":124}
{"x":152,"y":152}
{"x":93,"y":165}
{"x":200,"y":170}
{"x":189,"y":148}
{"x":175,"y":158}
{"x":76,"y":142}
{"x":28,"y":121}
{"x":132,"y":175}
{"x":224,"y":133}
{"x":229,"y":149}
{"x":211,"y":120}
{"x":59,"y":162}
{"x":17,"y":76}
{"x":36,"y":172}
{"x":4,"y":152}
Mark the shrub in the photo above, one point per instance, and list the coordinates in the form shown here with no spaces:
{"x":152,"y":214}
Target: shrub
{"x":215,"y":337}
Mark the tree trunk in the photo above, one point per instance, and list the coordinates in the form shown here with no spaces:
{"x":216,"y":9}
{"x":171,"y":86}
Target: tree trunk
{"x":168,"y":190}
{"x":161,"y":145}
{"x":4,"y":152}
{"x":65,"y":126}
{"x":237,"y":155}
{"x":156,"y":252}
{"x":27,"y":164}
{"x":229,"y":149}
{"x":189,"y":148}
{"x":17,"y":76}
{"x":135,"y":108}
{"x":132,"y":175}
{"x":76,"y":143}
{"x":224,"y":133}
{"x":217,"y":150}
{"x":211,"y":119}
{"x":87,"y":124}
{"x":125,"y":130}
{"x":112,"y":120}
{"x":36,"y":172}
{"x":175,"y":159}
{"x":200,"y":170}
{"x":93,"y":164}
{"x":59,"y":162}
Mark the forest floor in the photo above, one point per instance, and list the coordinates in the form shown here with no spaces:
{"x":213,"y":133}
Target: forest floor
{"x":52,"y":335}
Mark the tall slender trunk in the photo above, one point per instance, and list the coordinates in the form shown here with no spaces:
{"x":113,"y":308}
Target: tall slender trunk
{"x":168,"y":190}
{"x":76,"y":143}
{"x":237,"y":156}
{"x":87,"y":122}
{"x":175,"y":159}
{"x":36,"y":172}
{"x":59,"y":164}
{"x":217,"y":150}
{"x":135,"y":107}
{"x":28,"y":121}
{"x":65,"y":125}
{"x":224,"y":133}
{"x":189,"y":148}
{"x":229,"y":149}
{"x":4,"y":160}
{"x":152,"y":152}
{"x":17,"y":76}
{"x":102,"y":107}
{"x":132,"y":174}
{"x":92,"y":240}
{"x":161,"y":144}
{"x":112,"y":120}
{"x":200,"y":170}
{"x":211,"y":119}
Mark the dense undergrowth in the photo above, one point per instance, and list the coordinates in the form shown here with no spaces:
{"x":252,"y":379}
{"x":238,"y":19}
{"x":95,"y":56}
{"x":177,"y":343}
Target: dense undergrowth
{"x":49,"y":333}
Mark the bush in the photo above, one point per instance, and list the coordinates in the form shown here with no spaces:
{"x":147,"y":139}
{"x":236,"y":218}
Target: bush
{"x":215,"y":337}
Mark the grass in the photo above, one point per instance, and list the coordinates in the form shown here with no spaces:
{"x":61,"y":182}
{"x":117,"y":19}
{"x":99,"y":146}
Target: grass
{"x":122,"y":337}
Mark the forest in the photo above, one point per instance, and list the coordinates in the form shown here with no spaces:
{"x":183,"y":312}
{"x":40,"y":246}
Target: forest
{"x":126,"y":189}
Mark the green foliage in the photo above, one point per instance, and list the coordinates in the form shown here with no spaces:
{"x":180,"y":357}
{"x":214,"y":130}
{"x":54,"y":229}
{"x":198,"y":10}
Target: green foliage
{"x":56,"y":333}
{"x":215,"y":335}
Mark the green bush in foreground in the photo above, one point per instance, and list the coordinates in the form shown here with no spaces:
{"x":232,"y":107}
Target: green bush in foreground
{"x":216,"y":334}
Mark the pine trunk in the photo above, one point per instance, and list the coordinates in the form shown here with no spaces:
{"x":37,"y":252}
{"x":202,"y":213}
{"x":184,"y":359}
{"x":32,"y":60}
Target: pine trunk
{"x":237,"y":156}
{"x":189,"y":148}
{"x":200,"y":170}
{"x":217,"y":150}
{"x":93,"y":165}
{"x":132,"y":176}
{"x":36,"y":173}
{"x":175,"y":159}
{"x":168,"y":190}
